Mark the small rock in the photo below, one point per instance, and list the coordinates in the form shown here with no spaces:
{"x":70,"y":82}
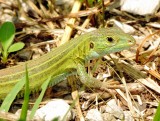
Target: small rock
{"x":125,"y":27}
{"x":108,"y":117}
{"x":94,"y":115}
{"x":114,"y":109}
{"x":140,"y":7}
{"x":25,"y":54}
{"x":128,"y":116}
{"x":54,"y":109}
{"x":62,"y":2}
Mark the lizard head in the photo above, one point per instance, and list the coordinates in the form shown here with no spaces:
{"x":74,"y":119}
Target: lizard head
{"x":105,"y":41}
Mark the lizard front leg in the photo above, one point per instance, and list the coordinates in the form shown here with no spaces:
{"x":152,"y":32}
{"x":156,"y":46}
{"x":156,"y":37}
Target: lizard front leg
{"x":87,"y":80}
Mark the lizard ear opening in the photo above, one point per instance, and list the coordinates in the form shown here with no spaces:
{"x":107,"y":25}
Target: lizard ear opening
{"x":91,"y":45}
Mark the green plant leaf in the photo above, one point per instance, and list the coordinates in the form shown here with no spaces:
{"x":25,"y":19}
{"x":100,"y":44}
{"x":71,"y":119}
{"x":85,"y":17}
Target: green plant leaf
{"x":7,"y":33}
{"x":16,"y":46}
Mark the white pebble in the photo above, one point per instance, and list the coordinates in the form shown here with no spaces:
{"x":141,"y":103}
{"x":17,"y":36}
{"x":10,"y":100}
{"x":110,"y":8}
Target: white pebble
{"x":94,"y":115}
{"x":54,"y":109}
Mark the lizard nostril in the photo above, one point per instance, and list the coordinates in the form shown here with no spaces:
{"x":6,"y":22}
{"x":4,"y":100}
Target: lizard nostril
{"x":131,"y":42}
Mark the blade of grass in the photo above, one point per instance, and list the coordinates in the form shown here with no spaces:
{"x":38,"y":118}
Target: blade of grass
{"x":23,"y":115}
{"x":44,"y":87}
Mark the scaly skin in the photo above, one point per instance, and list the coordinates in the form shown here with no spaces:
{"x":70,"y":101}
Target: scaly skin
{"x":67,"y":59}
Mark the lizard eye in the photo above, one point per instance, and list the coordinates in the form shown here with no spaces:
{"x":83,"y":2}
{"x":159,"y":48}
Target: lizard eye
{"x":110,"y":39}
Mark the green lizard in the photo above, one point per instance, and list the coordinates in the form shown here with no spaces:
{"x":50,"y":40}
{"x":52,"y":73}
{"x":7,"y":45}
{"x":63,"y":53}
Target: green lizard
{"x":67,"y":59}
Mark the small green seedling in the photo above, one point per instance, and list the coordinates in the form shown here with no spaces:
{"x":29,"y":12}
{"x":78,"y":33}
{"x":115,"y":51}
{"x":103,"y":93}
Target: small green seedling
{"x":7,"y":34}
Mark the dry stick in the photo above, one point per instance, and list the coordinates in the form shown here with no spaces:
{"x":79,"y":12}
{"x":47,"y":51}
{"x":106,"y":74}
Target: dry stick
{"x":144,"y":52}
{"x":139,"y":76}
{"x":8,"y":116}
{"x":34,"y":7}
{"x":143,"y":42}
{"x":153,"y":73}
{"x":71,"y":79}
{"x":2,"y":1}
{"x":76,"y":14}
{"x":134,"y":88}
{"x":128,"y":94}
{"x":68,"y":29}
{"x":151,"y":55}
{"x":72,"y":15}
